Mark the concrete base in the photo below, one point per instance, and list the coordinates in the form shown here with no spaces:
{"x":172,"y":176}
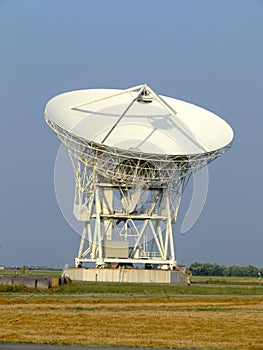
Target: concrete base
{"x":125,"y":275}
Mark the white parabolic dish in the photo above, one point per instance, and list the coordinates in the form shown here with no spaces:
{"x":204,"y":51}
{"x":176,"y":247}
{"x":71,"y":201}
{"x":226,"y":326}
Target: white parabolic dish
{"x":133,"y":153}
{"x":125,"y":120}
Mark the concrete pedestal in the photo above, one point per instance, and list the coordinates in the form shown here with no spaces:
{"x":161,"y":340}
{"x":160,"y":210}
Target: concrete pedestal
{"x":125,"y":275}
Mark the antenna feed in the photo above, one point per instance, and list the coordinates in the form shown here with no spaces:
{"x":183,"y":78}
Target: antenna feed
{"x":144,"y":96}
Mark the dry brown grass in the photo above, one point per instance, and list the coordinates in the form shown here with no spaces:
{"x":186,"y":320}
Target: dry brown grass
{"x":190,"y":322}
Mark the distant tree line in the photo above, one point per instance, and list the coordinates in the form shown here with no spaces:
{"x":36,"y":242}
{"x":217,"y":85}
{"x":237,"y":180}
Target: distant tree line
{"x":208,"y":269}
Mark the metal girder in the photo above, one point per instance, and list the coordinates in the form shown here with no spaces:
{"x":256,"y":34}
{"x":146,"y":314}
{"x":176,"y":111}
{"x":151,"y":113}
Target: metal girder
{"x":128,"y":196}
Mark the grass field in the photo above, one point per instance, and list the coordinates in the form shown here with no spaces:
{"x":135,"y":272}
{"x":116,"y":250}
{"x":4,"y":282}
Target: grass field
{"x":183,"y":322}
{"x":226,"y":280}
{"x":34,"y":272}
{"x":141,"y":290}
{"x":206,"y":315}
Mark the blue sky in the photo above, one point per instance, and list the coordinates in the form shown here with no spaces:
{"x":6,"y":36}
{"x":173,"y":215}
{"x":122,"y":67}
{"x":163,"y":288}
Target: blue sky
{"x":206,"y":52}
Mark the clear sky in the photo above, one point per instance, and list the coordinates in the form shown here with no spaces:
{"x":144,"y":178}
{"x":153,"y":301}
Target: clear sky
{"x":206,"y":52}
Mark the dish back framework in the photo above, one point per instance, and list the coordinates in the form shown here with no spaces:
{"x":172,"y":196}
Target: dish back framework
{"x":127,"y":196}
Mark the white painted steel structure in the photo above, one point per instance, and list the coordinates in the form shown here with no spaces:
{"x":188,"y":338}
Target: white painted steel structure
{"x":132,"y":152}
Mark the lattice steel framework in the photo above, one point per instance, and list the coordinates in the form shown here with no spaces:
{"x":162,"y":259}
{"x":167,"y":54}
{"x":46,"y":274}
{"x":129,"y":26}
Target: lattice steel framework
{"x":127,"y":196}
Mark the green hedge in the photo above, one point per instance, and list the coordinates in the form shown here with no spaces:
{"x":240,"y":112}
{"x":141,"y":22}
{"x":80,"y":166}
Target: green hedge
{"x":208,"y":269}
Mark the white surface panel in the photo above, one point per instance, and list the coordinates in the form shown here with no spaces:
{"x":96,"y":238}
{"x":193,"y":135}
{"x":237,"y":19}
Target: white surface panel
{"x":151,"y":128}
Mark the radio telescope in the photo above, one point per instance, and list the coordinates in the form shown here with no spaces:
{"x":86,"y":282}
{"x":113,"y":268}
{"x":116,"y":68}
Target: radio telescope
{"x":132,"y":152}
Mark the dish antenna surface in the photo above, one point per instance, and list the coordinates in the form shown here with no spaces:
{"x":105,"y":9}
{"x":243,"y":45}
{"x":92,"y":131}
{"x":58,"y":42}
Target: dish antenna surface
{"x":133,"y":152}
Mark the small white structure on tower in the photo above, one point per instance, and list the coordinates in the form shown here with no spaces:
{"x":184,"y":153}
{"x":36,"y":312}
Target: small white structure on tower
{"x":133,"y":152}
